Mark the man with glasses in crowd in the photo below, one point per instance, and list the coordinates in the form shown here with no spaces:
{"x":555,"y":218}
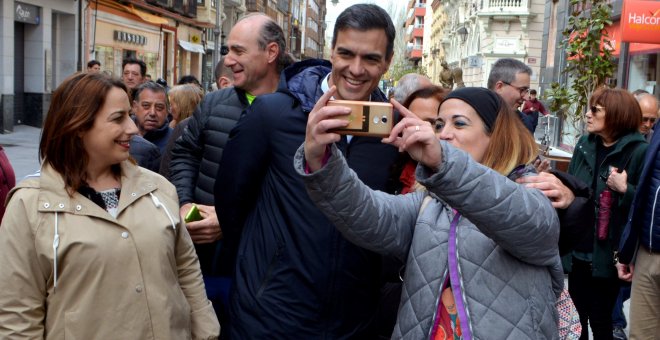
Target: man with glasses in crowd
{"x":570,"y":197}
{"x":510,"y":79}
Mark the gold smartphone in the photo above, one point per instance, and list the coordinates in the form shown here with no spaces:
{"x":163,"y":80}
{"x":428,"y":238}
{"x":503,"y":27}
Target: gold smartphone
{"x":366,"y":118}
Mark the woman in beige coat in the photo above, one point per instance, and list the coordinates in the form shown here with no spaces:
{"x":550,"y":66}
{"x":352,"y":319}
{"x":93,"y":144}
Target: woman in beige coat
{"x":93,"y":247}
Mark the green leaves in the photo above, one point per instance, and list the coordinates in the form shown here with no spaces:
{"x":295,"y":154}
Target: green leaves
{"x":589,"y":61}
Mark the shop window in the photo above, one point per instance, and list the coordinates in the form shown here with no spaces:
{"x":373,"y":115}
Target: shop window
{"x":127,"y":54}
{"x":643,"y":72}
{"x":105,"y":55}
{"x":151,"y":59}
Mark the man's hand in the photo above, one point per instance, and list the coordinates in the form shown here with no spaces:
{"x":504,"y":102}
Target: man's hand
{"x":206,"y":230}
{"x":560,"y":196}
{"x":320,"y":122}
{"x":625,"y":271}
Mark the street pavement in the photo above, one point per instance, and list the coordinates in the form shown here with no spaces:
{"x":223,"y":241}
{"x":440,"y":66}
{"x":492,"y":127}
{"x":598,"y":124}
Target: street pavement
{"x":22,"y":149}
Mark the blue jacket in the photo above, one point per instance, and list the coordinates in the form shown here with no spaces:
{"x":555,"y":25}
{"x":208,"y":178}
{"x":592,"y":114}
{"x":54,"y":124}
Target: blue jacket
{"x":160,"y":136}
{"x":642,"y":208}
{"x":295,"y":275}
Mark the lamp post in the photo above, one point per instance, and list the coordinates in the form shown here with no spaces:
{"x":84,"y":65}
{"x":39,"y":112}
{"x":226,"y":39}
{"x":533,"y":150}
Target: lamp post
{"x":463,"y":33}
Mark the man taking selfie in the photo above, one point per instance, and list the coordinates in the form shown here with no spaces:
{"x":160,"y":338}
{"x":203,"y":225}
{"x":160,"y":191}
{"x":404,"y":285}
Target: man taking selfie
{"x":295,"y":275}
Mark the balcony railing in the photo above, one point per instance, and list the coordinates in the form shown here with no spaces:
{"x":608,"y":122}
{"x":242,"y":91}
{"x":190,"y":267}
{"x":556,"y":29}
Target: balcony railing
{"x":499,"y":6}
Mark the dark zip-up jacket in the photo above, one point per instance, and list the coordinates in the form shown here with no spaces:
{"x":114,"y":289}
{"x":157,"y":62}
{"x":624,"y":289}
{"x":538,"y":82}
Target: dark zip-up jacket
{"x":296,"y":277}
{"x":645,"y":208}
{"x":197,"y":152}
{"x":629,"y":149}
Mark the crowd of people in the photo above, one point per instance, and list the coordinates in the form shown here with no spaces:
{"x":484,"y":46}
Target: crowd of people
{"x":451,"y":227}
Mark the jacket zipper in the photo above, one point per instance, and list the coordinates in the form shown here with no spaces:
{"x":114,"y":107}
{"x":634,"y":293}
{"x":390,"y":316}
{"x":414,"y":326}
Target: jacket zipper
{"x":455,"y":279}
{"x":437,"y":304}
{"x":655,"y":204}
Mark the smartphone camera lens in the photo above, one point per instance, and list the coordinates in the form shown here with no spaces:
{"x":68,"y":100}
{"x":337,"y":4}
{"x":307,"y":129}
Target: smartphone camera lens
{"x":384,"y":119}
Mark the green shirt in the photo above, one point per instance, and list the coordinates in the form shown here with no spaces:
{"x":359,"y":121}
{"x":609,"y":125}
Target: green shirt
{"x":250,"y":98}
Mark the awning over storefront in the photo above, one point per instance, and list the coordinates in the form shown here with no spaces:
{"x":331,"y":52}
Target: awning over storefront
{"x":154,"y":19}
{"x":188,"y":46}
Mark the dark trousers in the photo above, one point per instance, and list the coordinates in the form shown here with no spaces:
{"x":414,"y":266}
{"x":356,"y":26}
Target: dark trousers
{"x":618,"y":316}
{"x":594,"y":299}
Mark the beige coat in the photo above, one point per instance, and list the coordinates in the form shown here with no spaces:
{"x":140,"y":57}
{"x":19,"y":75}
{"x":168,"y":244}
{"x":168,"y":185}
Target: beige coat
{"x":133,"y":277}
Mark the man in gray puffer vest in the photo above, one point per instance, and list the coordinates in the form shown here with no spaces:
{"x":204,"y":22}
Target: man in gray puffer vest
{"x":256,"y":57}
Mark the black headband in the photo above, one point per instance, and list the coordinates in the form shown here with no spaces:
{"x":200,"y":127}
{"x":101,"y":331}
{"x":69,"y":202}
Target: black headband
{"x":486,"y":102}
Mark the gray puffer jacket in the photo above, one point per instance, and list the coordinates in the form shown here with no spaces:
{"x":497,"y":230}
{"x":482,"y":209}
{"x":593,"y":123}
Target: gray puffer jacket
{"x":504,"y":268}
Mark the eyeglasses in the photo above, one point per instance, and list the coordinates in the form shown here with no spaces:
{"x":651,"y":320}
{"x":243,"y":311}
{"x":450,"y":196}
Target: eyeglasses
{"x":523,"y":90}
{"x":648,"y":119}
{"x":594,"y":109}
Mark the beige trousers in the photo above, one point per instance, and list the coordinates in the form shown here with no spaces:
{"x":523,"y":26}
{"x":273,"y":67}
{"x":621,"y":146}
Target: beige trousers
{"x":645,"y":297}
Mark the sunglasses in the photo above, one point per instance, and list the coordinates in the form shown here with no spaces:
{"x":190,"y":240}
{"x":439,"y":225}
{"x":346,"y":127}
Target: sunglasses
{"x":594,"y":109}
{"x":648,"y":119}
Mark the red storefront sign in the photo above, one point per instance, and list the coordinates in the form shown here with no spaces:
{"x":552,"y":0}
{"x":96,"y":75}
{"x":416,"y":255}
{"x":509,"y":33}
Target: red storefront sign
{"x":615,"y":35}
{"x":640,"y":21}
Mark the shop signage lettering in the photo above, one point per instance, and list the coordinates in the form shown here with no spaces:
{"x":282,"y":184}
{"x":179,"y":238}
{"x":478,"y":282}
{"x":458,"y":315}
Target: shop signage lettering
{"x":643,"y":19}
{"x":130,"y":38}
{"x":640,"y":21}
{"x":26,"y":13}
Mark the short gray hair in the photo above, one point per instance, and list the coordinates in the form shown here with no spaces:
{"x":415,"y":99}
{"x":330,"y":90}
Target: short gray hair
{"x":408,"y":84}
{"x":272,"y":32}
{"x":505,"y":70}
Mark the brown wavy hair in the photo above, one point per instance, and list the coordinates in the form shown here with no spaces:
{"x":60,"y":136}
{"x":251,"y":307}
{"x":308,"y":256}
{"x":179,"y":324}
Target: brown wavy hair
{"x":511,"y":144}
{"x":622,"y":112}
{"x":73,"y":109}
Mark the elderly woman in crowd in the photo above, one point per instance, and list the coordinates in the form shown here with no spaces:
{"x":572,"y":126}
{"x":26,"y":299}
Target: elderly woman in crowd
{"x":93,"y":246}
{"x":481,"y":250}
{"x":609,"y":159}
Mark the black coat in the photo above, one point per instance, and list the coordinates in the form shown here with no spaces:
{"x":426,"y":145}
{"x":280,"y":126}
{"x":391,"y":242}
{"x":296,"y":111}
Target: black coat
{"x":197,"y":152}
{"x":577,"y":220}
{"x":295,"y":275}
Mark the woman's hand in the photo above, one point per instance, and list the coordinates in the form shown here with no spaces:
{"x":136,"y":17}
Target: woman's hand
{"x":618,"y":181}
{"x":542,"y":165}
{"x":319,"y":122}
{"x":417,"y":138}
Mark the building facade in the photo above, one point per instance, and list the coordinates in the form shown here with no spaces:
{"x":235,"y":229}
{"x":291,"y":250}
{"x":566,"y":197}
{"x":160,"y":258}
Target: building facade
{"x":313,"y":29}
{"x":476,"y":33}
{"x":415,"y":31}
{"x":433,"y":51}
{"x":44,"y":41}
{"x":165,"y":34}
{"x":638,"y":63}
{"x":37,"y":52}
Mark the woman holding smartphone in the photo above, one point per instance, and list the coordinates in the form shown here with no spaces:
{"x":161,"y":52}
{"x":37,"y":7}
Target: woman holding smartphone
{"x":481,"y":250}
{"x":92,"y":247}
